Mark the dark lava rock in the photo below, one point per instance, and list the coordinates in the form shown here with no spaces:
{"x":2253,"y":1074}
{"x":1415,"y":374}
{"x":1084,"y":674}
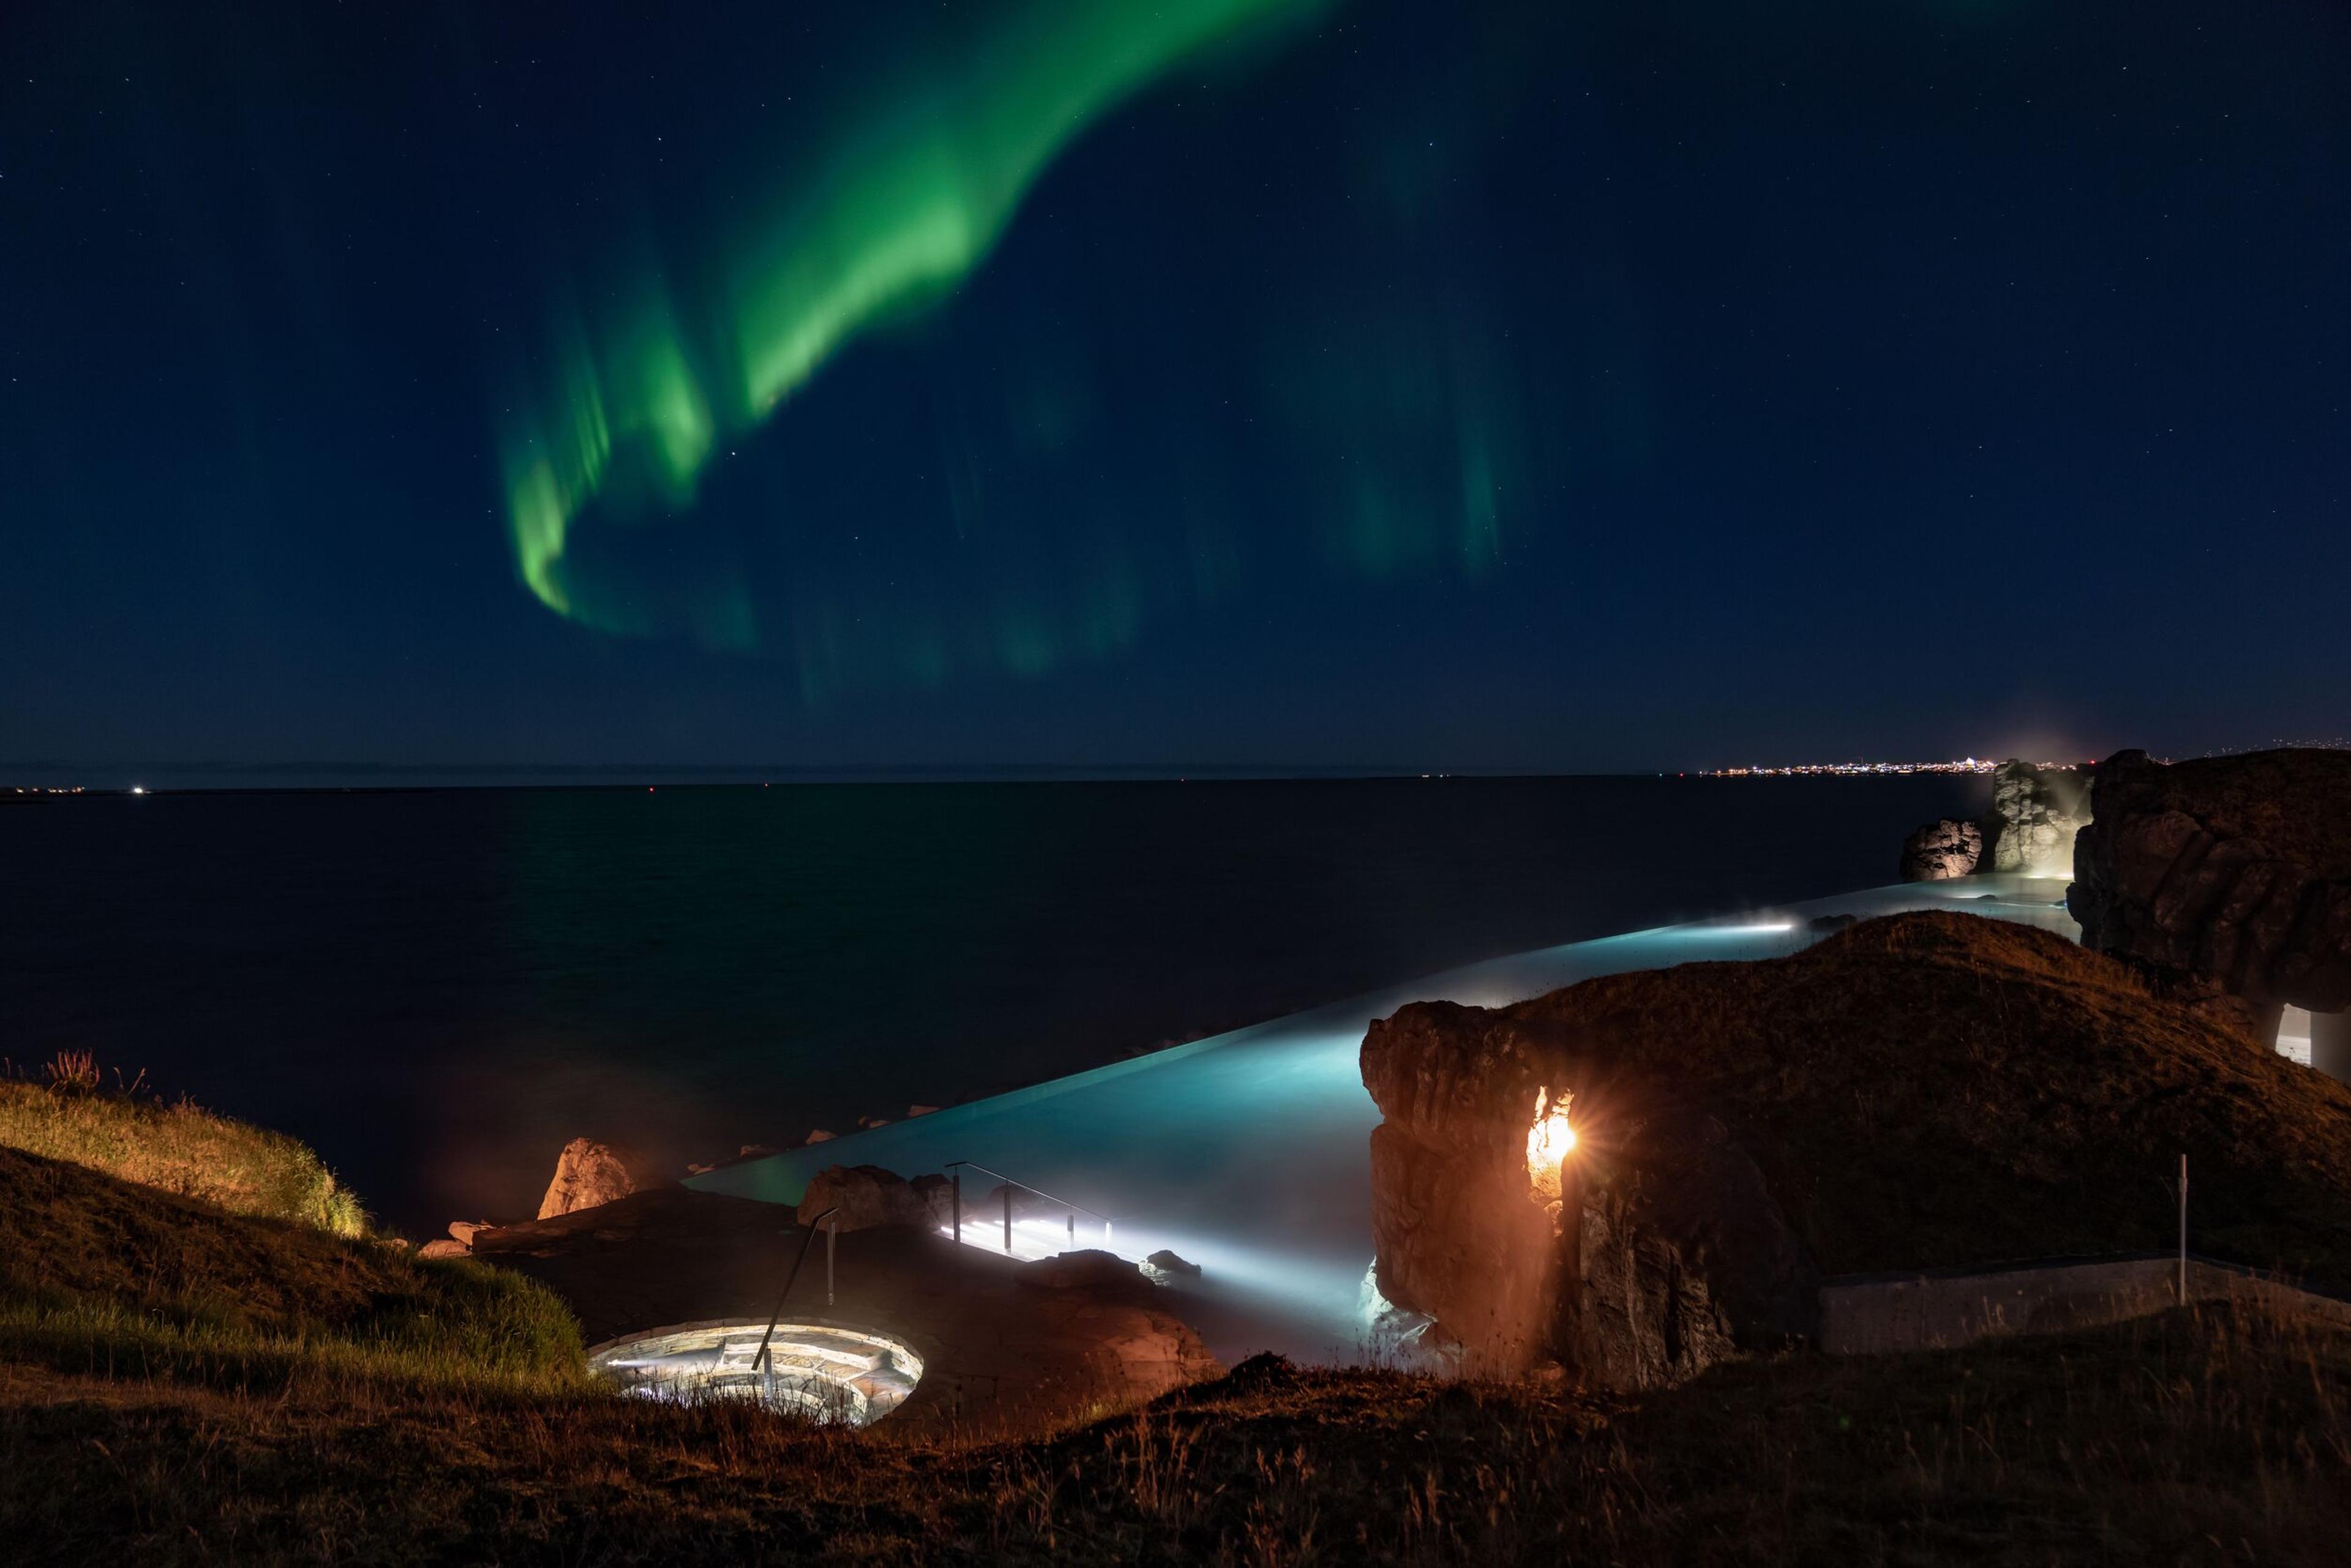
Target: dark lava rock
{"x":1664,"y":1255}
{"x":1086,"y":1269}
{"x":864,"y":1195}
{"x":1942,"y":849}
{"x":1164,"y":1267}
{"x":2238,"y":868}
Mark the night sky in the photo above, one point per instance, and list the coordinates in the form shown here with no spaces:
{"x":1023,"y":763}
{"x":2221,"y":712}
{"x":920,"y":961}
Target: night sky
{"x":1250,"y":382}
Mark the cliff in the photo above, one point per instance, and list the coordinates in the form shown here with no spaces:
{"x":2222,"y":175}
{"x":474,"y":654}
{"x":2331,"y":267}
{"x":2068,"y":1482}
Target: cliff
{"x":1925,"y":1091}
{"x":2238,"y":868}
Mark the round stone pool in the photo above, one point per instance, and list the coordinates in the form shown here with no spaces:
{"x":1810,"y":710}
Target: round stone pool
{"x":839,"y":1374}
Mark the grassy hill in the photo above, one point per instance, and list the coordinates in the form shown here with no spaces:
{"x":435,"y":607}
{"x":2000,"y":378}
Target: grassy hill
{"x":178,"y":1147}
{"x":163,"y":1241}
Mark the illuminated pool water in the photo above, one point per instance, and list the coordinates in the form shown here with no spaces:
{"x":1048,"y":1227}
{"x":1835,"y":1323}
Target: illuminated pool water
{"x":1246,"y":1153}
{"x":831,"y":1374}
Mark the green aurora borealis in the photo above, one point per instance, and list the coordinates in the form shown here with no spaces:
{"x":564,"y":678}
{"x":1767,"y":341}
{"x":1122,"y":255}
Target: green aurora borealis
{"x":906,"y":196}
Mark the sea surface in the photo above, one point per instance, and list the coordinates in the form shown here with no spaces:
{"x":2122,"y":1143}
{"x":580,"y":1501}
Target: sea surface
{"x":437,"y":988}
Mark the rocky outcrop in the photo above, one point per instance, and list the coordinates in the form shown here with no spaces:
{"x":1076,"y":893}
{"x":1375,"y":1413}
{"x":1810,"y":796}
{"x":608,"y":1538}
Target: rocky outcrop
{"x":2035,"y":814}
{"x":1081,"y":1269}
{"x":1925,"y":1091}
{"x":1942,"y":849}
{"x":867,"y":1196}
{"x":2236,"y":868}
{"x":589,"y":1174}
{"x":1658,"y":1253}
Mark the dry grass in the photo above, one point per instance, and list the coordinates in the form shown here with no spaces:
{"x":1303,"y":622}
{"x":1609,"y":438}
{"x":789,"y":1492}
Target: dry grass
{"x":183,"y":1385}
{"x":177,"y":1147}
{"x":96,"y":1272}
{"x":2219,"y":1437}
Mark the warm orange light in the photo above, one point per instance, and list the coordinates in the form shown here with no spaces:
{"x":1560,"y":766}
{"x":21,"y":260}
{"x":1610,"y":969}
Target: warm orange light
{"x":1550,"y":1141}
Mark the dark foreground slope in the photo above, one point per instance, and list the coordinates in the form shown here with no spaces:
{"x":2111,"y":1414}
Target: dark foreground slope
{"x":2204,"y":1439}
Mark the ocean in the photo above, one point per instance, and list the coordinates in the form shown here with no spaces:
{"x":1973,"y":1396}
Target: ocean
{"x":437,"y":988}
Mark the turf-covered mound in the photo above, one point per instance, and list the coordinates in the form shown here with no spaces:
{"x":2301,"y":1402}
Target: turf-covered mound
{"x":176,"y":1146}
{"x":1939,"y":1089}
{"x":1923,"y":1090}
{"x":87,"y":1258}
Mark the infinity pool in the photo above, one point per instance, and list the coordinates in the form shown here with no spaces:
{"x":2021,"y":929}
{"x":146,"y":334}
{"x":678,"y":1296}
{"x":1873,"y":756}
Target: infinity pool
{"x":1246,"y":1153}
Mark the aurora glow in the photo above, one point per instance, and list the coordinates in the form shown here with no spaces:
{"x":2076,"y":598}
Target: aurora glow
{"x":908,"y":197}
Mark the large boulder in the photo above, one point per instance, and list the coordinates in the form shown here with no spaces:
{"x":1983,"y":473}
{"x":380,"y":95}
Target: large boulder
{"x":1942,"y":849}
{"x":867,"y":1196}
{"x":2035,"y":814}
{"x":2236,"y":868}
{"x":589,"y":1174}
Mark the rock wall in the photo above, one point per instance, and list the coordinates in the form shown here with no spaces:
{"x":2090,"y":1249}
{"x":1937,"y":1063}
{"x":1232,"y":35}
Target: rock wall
{"x":1662,"y":1254}
{"x":2035,"y":814}
{"x":2233,"y":868}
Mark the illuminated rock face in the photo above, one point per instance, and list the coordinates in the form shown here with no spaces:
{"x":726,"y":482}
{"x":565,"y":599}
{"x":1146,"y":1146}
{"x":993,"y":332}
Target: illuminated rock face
{"x":589,"y":1174}
{"x":1942,"y":849}
{"x":2035,"y":812}
{"x":2233,"y":868}
{"x":1662,"y":1254}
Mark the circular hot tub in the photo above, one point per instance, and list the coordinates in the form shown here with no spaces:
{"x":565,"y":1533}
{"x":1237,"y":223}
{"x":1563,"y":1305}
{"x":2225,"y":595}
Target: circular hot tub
{"x":844,"y":1376}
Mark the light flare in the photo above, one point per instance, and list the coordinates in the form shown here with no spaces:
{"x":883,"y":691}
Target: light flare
{"x":1550,"y":1140}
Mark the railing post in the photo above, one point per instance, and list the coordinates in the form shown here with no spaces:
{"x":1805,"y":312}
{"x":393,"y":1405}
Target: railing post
{"x":2183,"y":1230}
{"x":959,"y":1203}
{"x":831,"y":1230}
{"x":1008,"y":1219}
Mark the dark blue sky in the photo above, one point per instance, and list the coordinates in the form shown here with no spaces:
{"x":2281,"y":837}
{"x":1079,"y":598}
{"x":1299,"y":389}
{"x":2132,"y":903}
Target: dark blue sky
{"x":1529,"y":386}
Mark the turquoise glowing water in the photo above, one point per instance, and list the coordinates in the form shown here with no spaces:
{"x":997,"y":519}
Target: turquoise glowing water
{"x":437,"y":988}
{"x":1246,"y":1153}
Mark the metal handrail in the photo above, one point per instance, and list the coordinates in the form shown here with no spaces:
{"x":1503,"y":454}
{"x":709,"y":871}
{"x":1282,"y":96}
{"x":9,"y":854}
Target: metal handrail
{"x":763,"y":1361}
{"x":1024,"y":1187}
{"x":955,"y":1169}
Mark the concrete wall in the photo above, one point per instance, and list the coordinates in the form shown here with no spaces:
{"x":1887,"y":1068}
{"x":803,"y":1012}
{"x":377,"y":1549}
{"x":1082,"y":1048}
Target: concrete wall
{"x":1881,"y":1314}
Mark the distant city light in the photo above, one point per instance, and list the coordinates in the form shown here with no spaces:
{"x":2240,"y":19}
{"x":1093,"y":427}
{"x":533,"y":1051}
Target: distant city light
{"x":1865,"y":770}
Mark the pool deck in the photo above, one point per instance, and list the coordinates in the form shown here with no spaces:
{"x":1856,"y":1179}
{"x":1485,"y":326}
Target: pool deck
{"x":1246,"y":1153}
